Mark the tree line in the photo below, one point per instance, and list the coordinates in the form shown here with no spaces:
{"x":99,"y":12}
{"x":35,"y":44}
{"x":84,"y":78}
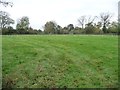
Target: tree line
{"x":87,"y":25}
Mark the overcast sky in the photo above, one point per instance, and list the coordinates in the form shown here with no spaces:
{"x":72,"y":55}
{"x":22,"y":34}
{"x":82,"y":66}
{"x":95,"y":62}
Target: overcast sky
{"x":64,"y":12}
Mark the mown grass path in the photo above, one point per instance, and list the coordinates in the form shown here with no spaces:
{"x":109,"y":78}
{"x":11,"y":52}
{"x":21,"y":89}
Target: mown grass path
{"x":38,"y":61}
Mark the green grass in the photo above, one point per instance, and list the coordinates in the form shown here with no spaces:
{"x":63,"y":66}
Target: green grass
{"x":38,"y":61}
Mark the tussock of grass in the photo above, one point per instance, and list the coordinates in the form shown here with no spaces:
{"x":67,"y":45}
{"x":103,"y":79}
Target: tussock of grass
{"x":33,"y":61}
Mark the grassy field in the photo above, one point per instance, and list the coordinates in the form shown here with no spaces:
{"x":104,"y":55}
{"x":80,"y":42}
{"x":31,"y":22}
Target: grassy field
{"x":38,"y":61}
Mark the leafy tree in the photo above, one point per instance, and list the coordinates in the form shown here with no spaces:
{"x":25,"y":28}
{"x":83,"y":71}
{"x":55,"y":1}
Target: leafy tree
{"x":5,"y":20}
{"x":50,"y":27}
{"x":23,"y":24}
{"x":59,"y":29}
{"x":105,"y":20}
{"x":78,"y":30}
{"x":98,"y":25}
{"x":8,"y":31}
{"x":89,"y":27}
{"x":30,"y":30}
{"x":65,"y":30}
{"x":70,"y":27}
{"x":40,"y":31}
{"x":113,"y":27}
{"x":98,"y":28}
{"x":4,"y":3}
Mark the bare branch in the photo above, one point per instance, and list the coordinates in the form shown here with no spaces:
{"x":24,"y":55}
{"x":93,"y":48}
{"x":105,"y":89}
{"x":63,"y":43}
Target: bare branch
{"x":6,"y":3}
{"x":105,"y":19}
{"x":82,"y":21}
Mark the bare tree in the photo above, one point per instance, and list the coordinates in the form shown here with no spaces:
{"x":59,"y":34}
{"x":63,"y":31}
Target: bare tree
{"x":82,"y":21}
{"x":90,"y":20}
{"x":105,"y":19}
{"x":89,"y":28}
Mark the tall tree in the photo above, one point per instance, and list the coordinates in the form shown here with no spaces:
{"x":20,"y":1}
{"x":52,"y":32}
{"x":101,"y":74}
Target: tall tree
{"x":5,"y":20}
{"x":23,"y":23}
{"x":98,"y":25}
{"x":50,"y":27}
{"x":89,"y":26}
{"x":113,"y":27}
{"x":70,"y":27}
{"x":105,"y":19}
{"x":59,"y":29}
{"x":82,"y":21}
